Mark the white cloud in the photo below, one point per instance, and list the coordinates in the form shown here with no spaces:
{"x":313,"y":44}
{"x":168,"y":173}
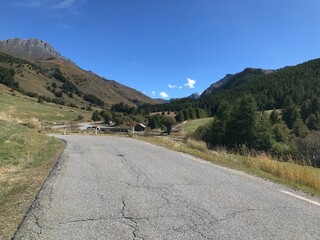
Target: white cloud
{"x":174,"y":86}
{"x":153,"y":93}
{"x":164,"y":95}
{"x":190,"y":83}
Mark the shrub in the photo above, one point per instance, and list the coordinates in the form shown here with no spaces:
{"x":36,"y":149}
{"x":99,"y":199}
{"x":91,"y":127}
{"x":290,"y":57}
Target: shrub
{"x":309,"y":148}
{"x":201,"y":132}
{"x":34,"y":124}
{"x":79,"y":118}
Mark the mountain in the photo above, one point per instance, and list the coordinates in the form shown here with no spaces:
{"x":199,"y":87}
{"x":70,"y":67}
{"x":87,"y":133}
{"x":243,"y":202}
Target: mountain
{"x":29,"y":49}
{"x":195,"y":95}
{"x":216,"y":85}
{"x":45,"y":68}
{"x":297,"y":86}
{"x":161,"y":100}
{"x":232,"y":80}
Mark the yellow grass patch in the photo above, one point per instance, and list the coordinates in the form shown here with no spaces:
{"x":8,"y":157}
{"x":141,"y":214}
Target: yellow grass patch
{"x":299,"y":177}
{"x":26,"y":158}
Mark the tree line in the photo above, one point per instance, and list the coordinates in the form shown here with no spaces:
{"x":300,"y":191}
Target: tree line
{"x":301,"y":83}
{"x":242,"y":126}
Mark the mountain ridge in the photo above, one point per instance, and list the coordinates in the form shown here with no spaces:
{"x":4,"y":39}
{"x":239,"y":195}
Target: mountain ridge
{"x":43,"y":55}
{"x":29,"y":49}
{"x":231,"y":80}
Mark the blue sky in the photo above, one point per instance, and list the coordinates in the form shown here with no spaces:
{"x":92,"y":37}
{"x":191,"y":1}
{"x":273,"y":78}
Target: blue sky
{"x":169,"y":47}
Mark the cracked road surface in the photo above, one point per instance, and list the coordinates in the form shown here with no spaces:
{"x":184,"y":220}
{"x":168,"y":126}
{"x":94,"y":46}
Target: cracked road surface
{"x":116,"y":188}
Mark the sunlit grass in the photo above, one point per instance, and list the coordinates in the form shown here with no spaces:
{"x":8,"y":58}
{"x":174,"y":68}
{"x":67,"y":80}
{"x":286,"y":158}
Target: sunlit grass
{"x":190,"y":126}
{"x":22,"y":107}
{"x":26,"y":158}
{"x":300,"y":177}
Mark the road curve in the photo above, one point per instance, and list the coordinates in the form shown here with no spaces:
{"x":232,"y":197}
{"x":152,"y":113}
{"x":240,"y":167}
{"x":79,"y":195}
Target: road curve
{"x":116,"y":188}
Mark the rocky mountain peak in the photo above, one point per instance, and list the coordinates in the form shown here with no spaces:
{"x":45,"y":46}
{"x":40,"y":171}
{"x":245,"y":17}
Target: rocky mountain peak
{"x":217,"y":85}
{"x":195,"y":95}
{"x":29,"y":49}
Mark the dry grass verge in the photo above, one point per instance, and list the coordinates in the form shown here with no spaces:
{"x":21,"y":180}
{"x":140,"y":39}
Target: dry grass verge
{"x":26,"y":158}
{"x":303,"y":178}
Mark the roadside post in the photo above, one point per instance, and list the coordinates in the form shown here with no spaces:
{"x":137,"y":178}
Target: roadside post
{"x":96,"y":130}
{"x":133,"y":124}
{"x":64,"y":130}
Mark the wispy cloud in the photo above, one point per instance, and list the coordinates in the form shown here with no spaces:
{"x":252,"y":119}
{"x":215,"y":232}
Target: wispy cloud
{"x":164,"y":95}
{"x":174,"y":86}
{"x":153,"y":93}
{"x":71,"y":5}
{"x":190,"y":83}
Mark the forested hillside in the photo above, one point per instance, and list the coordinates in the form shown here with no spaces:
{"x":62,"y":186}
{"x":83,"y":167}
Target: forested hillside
{"x":271,"y":89}
{"x":241,"y":118}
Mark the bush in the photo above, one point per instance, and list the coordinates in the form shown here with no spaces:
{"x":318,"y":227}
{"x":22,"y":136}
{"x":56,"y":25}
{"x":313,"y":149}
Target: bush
{"x":7,"y":78}
{"x":309,"y":148}
{"x":147,"y":132}
{"x":201,"y":132}
{"x":94,"y":100}
{"x":95,"y":116}
{"x":79,"y":118}
{"x":281,"y":151}
{"x":168,"y":122}
{"x":280,"y":132}
{"x":34,"y":123}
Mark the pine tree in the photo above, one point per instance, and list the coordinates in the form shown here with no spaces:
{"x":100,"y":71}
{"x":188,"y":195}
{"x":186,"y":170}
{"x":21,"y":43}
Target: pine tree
{"x":315,"y":105}
{"x":263,"y":133}
{"x":240,"y":128}
{"x":290,"y":115}
{"x":299,"y":129}
{"x":275,"y":117}
{"x":313,"y":121}
{"x":305,"y":110}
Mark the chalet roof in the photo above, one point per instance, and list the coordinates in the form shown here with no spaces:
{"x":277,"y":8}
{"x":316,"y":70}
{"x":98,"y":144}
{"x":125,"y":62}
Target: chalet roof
{"x":142,"y":125}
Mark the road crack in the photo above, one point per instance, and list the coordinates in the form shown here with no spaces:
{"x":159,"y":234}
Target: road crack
{"x":140,"y":175}
{"x":84,"y":220}
{"x":235,"y":213}
{"x":132,"y":222}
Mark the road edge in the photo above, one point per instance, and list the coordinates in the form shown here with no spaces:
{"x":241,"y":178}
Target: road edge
{"x":52,"y":173}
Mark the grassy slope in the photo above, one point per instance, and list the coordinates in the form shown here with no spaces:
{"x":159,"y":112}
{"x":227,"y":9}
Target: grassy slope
{"x":109,"y":91}
{"x":190,"y":126}
{"x":31,"y":80}
{"x":24,"y":107}
{"x":26,"y":156}
{"x":299,"y":177}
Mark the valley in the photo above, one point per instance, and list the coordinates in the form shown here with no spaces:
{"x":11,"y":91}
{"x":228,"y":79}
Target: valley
{"x":262,"y":122}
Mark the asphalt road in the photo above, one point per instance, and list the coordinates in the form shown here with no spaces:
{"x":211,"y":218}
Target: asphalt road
{"x":116,"y":188}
